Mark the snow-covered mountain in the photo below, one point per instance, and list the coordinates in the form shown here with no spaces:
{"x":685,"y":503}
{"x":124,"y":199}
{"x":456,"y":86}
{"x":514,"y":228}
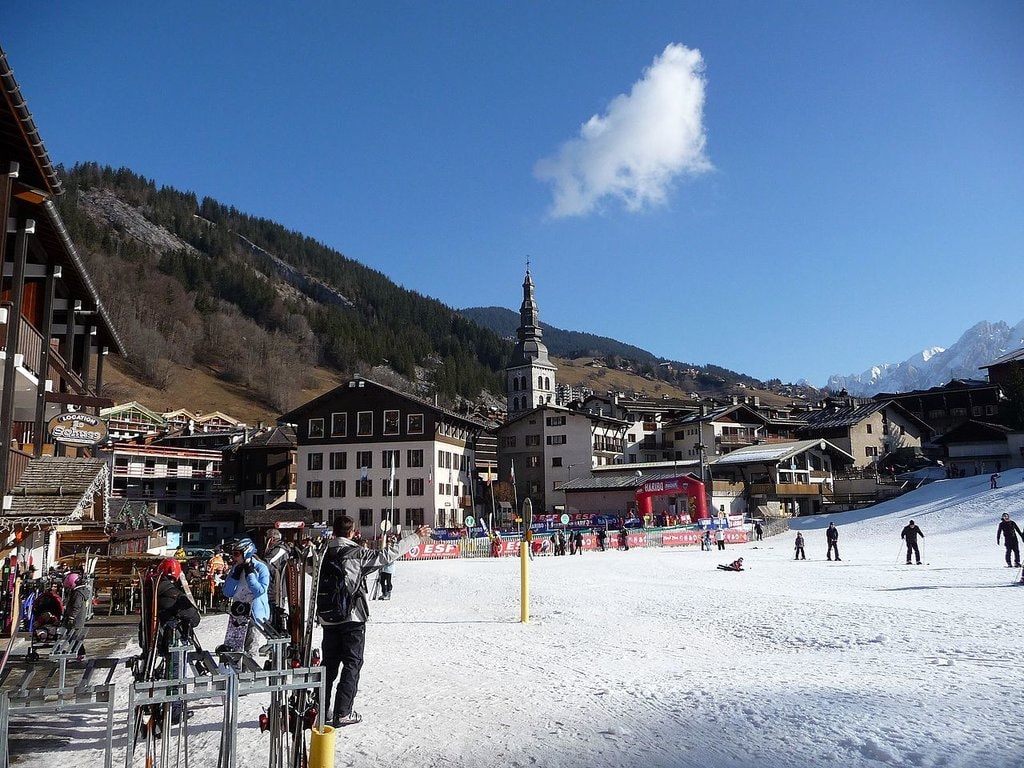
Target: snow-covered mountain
{"x":980,"y":344}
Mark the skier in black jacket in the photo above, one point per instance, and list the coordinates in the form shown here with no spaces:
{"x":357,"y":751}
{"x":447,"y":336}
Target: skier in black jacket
{"x":832,"y":537}
{"x":1009,"y":532}
{"x":276,"y":557}
{"x":909,"y":534}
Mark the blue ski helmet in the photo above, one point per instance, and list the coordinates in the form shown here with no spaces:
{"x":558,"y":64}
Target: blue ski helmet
{"x":245,"y":546}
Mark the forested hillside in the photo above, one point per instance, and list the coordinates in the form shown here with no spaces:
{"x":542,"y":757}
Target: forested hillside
{"x":189,"y":281}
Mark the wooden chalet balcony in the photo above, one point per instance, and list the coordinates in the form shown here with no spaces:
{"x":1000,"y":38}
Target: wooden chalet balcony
{"x":787,"y":489}
{"x":30,"y":347}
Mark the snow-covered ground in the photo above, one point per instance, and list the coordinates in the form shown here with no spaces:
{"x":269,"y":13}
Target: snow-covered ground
{"x":655,"y":658}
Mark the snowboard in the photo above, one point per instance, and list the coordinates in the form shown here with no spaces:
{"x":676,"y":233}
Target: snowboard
{"x":239,"y":619}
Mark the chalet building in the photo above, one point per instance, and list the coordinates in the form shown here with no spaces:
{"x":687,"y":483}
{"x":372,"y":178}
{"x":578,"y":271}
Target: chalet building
{"x":1004,"y":370}
{"x":981,"y":448}
{"x":54,"y":336}
{"x":183,"y":420}
{"x":950,"y":405}
{"x":866,"y":430}
{"x":176,"y":482}
{"x":132,"y":421}
{"x":607,"y":495}
{"x":382,"y":456}
{"x":546,"y":446}
{"x":779,"y":479}
{"x":716,"y":431}
{"x":646,"y":440}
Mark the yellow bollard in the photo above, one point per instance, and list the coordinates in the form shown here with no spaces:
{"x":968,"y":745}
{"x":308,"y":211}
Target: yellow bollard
{"x":321,"y":747}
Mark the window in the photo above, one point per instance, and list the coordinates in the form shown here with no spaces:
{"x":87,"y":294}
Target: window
{"x":533,"y":461}
{"x":391,"y":458}
{"x":975,"y":410}
{"x":415,"y":422}
{"x":314,"y":489}
{"x":339,"y":460}
{"x":530,"y":440}
{"x":961,"y":412}
{"x":386,"y":488}
{"x":364,"y":488}
{"x":990,"y":410}
{"x":366,"y":518}
{"x":259,"y":499}
{"x":442,"y":518}
{"x":315,"y":461}
{"x":334,"y":514}
{"x":556,"y":440}
{"x":336,"y":489}
{"x":414,"y":457}
{"x":556,"y":461}
{"x":316,"y":428}
{"x":414,"y":486}
{"x":364,"y":423}
{"x":515,"y":384}
{"x":509,"y":441}
{"x":339,"y":425}
{"x":414,"y":517}
{"x":364,"y":459}
{"x":555,"y":421}
{"x":871,"y":450}
{"x":392,"y":422}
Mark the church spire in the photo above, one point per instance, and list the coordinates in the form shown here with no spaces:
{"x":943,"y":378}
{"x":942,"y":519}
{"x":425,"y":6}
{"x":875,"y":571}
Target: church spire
{"x":530,"y":375}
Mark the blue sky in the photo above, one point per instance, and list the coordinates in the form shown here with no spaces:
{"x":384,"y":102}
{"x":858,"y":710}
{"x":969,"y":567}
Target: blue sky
{"x":788,"y":189}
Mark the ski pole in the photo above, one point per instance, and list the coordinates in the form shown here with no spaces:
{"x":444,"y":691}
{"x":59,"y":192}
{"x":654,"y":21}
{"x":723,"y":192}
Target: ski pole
{"x":900,"y":552}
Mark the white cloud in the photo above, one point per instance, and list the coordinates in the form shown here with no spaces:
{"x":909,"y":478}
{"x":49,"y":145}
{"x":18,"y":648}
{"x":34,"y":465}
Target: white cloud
{"x":644,"y":140}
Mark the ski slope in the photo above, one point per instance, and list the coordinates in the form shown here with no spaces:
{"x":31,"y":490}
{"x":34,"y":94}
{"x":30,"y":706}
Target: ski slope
{"x":655,"y":658}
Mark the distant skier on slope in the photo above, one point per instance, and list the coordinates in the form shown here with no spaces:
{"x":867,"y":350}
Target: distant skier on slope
{"x":1009,"y":532}
{"x":735,"y":565}
{"x":909,"y":534}
{"x":832,"y":537}
{"x":798,"y":547}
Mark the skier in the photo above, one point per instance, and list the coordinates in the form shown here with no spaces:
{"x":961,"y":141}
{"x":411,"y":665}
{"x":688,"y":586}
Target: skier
{"x":276,"y":557}
{"x":249,"y":579}
{"x":1009,"y":531}
{"x":601,"y":536}
{"x":994,"y":481}
{"x":758,"y":530}
{"x":705,"y":542}
{"x":832,"y":537}
{"x":720,"y":538}
{"x":344,"y":638}
{"x":623,"y":540}
{"x":78,"y":600}
{"x":735,"y":565}
{"x":910,"y":534}
{"x":577,"y":542}
{"x":799,"y":547}
{"x":386,"y":572}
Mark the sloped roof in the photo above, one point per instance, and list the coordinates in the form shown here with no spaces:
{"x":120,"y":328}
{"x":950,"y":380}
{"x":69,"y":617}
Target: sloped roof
{"x":280,"y":436}
{"x":117,"y":410}
{"x":771,"y":453}
{"x":1016,"y":355}
{"x":56,"y":489}
{"x":972,"y":431}
{"x":716,"y":413}
{"x":624,"y":480}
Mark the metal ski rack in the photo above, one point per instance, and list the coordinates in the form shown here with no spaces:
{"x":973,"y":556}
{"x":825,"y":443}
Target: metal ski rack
{"x":25,"y":699}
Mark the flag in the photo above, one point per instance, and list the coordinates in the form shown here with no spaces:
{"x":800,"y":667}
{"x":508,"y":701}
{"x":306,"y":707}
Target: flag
{"x":430,"y":476}
{"x":391,"y":480}
{"x":512,"y":474}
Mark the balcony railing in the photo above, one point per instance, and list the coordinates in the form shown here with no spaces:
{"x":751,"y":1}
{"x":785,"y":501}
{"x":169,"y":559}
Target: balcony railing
{"x":779,"y":490}
{"x":16,"y":463}
{"x":30,"y":341}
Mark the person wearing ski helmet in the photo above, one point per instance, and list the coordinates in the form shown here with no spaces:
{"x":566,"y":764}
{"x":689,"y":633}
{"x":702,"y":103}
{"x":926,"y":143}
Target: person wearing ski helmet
{"x":78,"y":602}
{"x":909,"y":534}
{"x":246,"y":569}
{"x":1009,"y":532}
{"x":276,"y":557}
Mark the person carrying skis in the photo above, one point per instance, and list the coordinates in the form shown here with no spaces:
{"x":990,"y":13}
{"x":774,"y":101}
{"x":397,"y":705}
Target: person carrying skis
{"x":832,"y":537}
{"x":910,"y":534}
{"x":276,"y":557}
{"x":343,"y":611}
{"x":78,"y":599}
{"x":799,"y":547}
{"x":1009,"y":532}
{"x":252,"y":574}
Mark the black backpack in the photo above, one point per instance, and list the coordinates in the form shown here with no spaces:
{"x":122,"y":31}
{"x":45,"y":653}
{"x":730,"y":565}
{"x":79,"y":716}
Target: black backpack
{"x":334,"y":598}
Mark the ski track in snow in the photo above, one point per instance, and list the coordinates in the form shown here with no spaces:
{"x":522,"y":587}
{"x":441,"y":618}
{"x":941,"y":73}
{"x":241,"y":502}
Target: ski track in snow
{"x":655,"y":658}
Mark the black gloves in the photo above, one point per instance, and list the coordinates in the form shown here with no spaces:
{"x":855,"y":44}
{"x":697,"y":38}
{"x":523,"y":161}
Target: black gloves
{"x":249,"y":568}
{"x":237,"y":572}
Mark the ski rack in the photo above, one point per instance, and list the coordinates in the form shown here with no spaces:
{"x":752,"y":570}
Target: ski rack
{"x":23,"y":700}
{"x":241,"y":675}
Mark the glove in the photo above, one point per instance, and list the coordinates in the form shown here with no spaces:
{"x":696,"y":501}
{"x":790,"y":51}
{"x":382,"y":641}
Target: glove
{"x":237,"y":572}
{"x":249,"y":568}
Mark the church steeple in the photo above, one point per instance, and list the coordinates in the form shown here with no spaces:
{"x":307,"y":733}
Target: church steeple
{"x":530,"y":376}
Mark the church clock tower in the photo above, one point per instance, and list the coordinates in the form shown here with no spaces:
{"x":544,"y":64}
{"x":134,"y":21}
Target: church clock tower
{"x":530,"y":376}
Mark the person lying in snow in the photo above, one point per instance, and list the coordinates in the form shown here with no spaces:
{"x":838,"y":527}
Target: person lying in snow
{"x":735,"y":565}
